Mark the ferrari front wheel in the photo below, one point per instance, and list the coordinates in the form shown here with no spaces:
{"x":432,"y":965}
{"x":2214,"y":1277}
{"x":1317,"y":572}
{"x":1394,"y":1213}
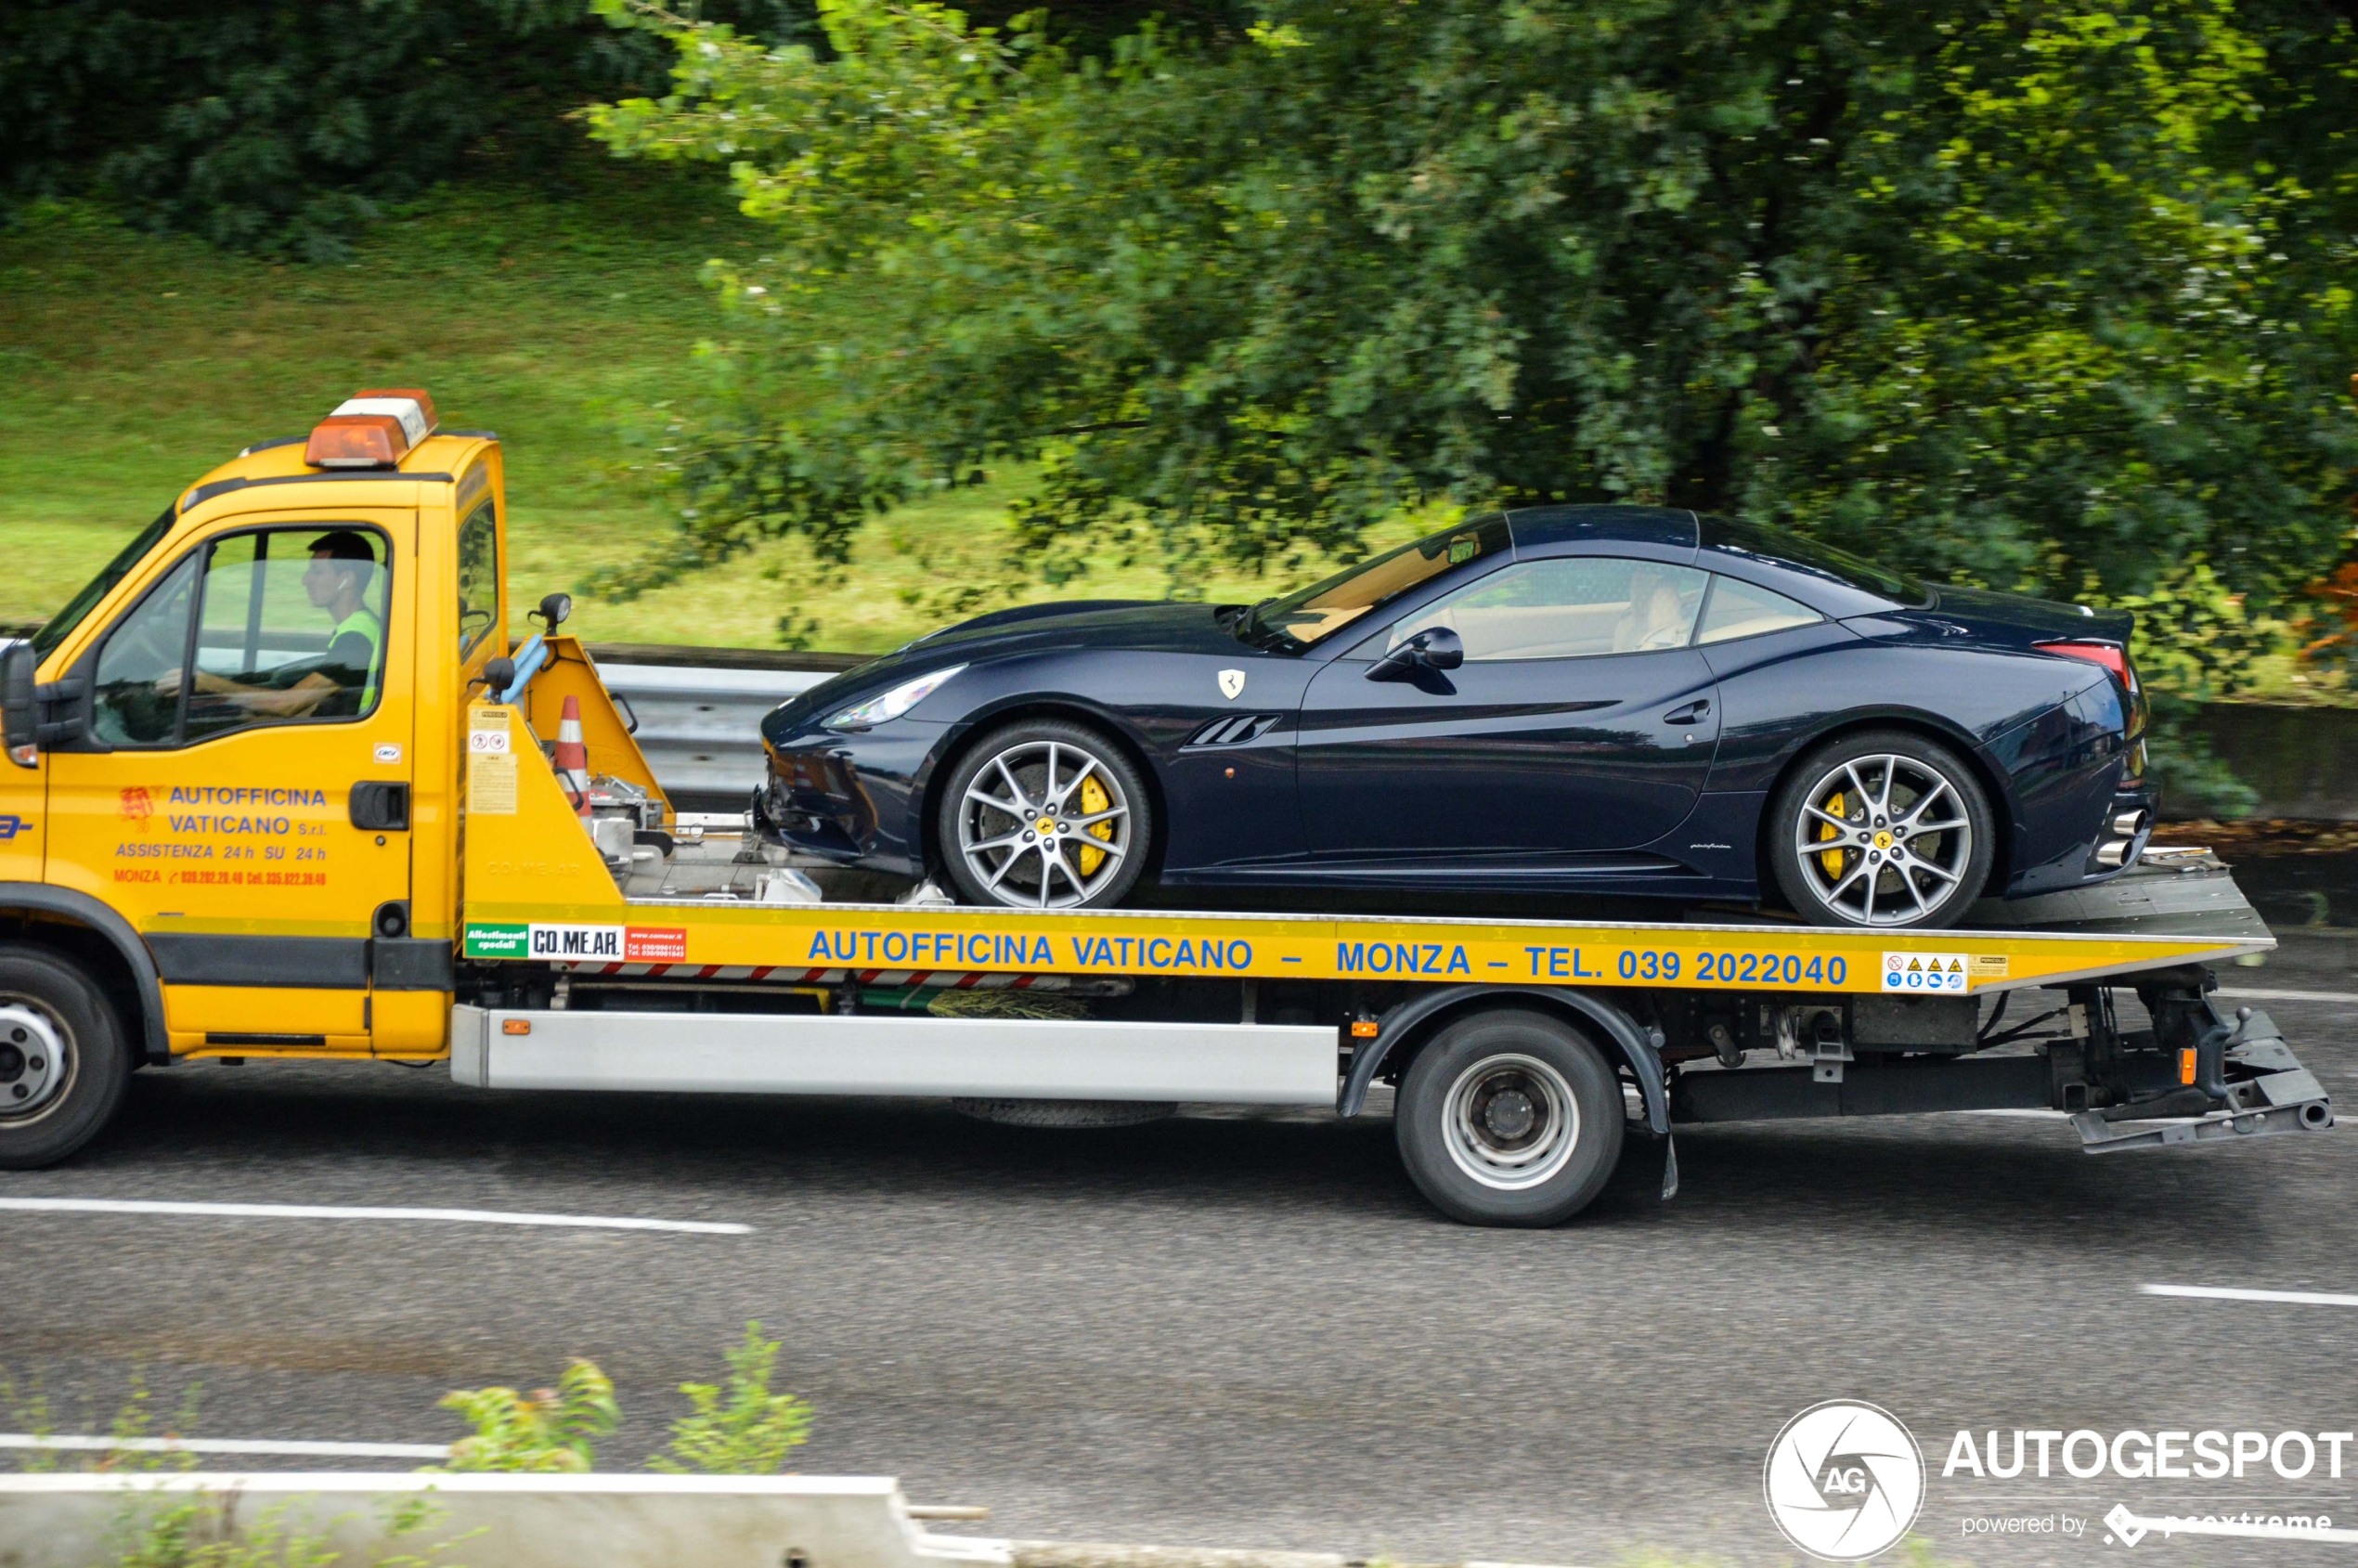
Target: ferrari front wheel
{"x":1045,"y":814}
{"x":1884,"y":829}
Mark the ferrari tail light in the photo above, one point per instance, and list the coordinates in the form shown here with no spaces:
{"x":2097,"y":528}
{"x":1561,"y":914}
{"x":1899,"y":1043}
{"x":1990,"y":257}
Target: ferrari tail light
{"x":2110,"y":654}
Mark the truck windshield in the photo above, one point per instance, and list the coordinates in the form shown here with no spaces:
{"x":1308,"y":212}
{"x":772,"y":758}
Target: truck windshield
{"x":61,"y":625}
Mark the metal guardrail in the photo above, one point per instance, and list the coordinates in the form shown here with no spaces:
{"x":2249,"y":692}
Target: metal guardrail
{"x":701,"y":728}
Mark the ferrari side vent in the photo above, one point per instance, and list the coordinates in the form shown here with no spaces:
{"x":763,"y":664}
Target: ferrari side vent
{"x":1235,"y":729}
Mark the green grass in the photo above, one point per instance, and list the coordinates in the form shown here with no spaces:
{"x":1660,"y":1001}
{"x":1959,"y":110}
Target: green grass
{"x":131,"y":363}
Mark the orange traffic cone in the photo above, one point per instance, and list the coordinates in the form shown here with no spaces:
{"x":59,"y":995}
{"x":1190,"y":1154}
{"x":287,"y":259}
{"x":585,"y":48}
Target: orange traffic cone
{"x":572,"y":757}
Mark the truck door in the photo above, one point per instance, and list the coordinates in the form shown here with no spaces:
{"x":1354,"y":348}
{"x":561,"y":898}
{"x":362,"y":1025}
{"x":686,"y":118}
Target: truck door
{"x":244,"y":793}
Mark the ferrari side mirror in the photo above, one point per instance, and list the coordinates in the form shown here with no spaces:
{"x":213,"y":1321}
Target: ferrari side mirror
{"x":1436,"y":647}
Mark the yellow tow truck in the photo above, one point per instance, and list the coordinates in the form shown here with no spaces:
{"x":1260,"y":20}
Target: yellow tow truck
{"x":280,"y":783}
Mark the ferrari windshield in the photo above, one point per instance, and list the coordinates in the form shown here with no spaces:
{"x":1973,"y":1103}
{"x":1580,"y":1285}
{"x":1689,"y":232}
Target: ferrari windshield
{"x":1324,"y":608}
{"x":61,"y":625}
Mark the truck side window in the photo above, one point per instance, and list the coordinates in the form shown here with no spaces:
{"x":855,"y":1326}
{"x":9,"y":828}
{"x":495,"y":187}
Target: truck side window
{"x":478,"y":576}
{"x":290,"y":625}
{"x":133,"y":705}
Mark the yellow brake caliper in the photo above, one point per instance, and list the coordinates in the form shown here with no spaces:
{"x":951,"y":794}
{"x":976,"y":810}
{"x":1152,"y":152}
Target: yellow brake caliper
{"x":1831,"y":859}
{"x":1094,"y":799}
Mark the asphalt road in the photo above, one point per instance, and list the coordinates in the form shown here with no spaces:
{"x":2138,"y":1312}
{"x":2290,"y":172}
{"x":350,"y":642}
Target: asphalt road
{"x":1222,"y":1331}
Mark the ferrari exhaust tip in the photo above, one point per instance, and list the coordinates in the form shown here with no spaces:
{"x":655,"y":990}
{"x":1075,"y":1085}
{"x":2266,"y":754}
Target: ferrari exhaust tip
{"x":2113,"y":855}
{"x":2128,"y":824}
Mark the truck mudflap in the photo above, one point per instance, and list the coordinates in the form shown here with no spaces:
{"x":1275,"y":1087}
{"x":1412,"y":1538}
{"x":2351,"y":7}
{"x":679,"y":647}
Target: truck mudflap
{"x":2266,"y":1091}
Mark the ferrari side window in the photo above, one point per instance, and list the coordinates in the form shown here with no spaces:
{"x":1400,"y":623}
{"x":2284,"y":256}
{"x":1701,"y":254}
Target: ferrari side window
{"x":1569,"y":607}
{"x":1737,"y":609}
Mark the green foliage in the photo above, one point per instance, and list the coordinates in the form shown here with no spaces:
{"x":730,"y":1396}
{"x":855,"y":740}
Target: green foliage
{"x":740,"y":1429}
{"x":548,"y":1429}
{"x":193,"y":1535}
{"x":197,"y":1533}
{"x":282,"y":126}
{"x":28,"y":1408}
{"x":2048,"y":295}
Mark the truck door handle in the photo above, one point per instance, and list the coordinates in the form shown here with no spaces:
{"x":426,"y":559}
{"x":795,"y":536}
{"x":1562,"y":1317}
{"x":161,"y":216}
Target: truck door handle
{"x":378,"y":806}
{"x":1693,"y":713}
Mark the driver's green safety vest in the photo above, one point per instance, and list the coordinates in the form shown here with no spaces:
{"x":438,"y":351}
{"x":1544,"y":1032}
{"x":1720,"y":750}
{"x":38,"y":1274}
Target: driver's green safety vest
{"x":364,"y":624}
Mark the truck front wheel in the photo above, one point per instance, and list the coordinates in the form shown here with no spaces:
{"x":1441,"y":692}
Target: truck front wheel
{"x":1509,"y":1118}
{"x":63,"y":1059}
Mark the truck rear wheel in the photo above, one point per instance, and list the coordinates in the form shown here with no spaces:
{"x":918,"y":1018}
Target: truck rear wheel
{"x":63,"y":1059}
{"x":1509,"y":1118}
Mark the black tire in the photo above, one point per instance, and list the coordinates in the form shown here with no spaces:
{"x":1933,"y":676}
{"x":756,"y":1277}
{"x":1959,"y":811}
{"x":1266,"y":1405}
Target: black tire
{"x":1931,"y":879}
{"x":1457,"y":1115}
{"x":1077,"y":870}
{"x":64,"y":1058}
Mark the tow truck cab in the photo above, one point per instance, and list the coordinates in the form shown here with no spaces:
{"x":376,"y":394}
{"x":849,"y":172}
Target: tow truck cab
{"x":262,"y":860}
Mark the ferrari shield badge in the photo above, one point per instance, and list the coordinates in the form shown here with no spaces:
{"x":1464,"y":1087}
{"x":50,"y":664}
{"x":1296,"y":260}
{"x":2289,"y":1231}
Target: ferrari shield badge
{"x":1231,"y":683}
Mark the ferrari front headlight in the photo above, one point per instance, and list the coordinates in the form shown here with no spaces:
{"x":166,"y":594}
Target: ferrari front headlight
{"x":892,"y":704}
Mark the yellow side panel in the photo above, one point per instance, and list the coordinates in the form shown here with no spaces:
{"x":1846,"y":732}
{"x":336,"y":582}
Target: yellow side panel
{"x":214,"y":1009}
{"x":24,"y":821}
{"x":535,"y":849}
{"x":412,"y":1023}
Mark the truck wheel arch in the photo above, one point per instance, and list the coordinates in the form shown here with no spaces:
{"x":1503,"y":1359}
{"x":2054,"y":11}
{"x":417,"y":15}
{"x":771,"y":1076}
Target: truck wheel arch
{"x":108,"y":934}
{"x":1403,"y":1029}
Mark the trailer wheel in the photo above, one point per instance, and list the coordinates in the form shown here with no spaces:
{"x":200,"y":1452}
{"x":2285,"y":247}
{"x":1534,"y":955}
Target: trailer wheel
{"x":64,"y":1062}
{"x":1509,"y":1118}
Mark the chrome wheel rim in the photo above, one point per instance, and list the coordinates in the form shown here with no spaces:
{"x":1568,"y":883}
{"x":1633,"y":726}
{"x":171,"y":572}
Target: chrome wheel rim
{"x":36,"y":1059}
{"x":1884,"y":840}
{"x":1044,"y":824}
{"x":1510,"y":1122}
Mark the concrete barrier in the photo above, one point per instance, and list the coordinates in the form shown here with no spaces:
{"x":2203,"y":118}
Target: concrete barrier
{"x":81,"y":1520}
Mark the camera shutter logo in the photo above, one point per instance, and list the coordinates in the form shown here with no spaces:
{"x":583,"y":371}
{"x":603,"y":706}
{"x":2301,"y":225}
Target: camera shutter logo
{"x":1843,"y":1481}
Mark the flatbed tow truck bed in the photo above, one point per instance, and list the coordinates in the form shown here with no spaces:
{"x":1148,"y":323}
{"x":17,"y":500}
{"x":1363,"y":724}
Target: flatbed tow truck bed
{"x":704,"y":961}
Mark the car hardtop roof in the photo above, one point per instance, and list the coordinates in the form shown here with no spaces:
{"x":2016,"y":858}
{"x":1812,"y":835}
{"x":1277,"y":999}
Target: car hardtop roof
{"x":1661,"y":527}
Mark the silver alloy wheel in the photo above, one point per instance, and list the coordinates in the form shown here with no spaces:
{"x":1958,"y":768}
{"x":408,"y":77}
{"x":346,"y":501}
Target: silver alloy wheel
{"x":1032,"y":831}
{"x":1884,"y":840}
{"x":1510,"y":1122}
{"x":36,"y":1059}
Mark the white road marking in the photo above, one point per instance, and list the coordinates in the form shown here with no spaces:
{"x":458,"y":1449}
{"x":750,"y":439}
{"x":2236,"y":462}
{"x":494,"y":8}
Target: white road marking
{"x":2237,"y":1293}
{"x":327,"y":1212}
{"x":228,"y":1445}
{"x":2244,"y":993}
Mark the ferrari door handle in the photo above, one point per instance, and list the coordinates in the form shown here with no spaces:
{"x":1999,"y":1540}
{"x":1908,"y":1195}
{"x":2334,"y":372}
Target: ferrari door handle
{"x":1693,"y":713}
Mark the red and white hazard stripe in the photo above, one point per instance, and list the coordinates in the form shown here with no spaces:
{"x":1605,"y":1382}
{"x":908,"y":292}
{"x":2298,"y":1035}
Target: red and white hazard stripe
{"x":777,"y":975}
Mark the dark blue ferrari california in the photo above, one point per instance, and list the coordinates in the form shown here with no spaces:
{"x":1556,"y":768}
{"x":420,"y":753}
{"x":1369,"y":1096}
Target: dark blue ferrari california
{"x":1560,"y":700}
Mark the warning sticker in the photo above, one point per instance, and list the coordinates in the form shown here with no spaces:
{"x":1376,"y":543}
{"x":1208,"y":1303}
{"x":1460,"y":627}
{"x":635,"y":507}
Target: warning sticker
{"x":1924,"y":971}
{"x":491,"y":766}
{"x":1990,"y":966}
{"x":655,"y":944}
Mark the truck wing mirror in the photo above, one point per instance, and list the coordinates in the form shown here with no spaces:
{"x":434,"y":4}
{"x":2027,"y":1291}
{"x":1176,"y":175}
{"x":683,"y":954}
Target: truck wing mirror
{"x":498,"y":676}
{"x":19,"y":713}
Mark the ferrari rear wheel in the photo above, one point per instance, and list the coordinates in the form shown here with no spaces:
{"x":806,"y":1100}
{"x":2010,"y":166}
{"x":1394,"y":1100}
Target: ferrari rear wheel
{"x":1882,"y":829}
{"x":1045,"y":814}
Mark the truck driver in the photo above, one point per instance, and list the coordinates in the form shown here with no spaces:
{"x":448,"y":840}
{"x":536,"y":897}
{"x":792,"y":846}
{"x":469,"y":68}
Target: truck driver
{"x":340,"y":682}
